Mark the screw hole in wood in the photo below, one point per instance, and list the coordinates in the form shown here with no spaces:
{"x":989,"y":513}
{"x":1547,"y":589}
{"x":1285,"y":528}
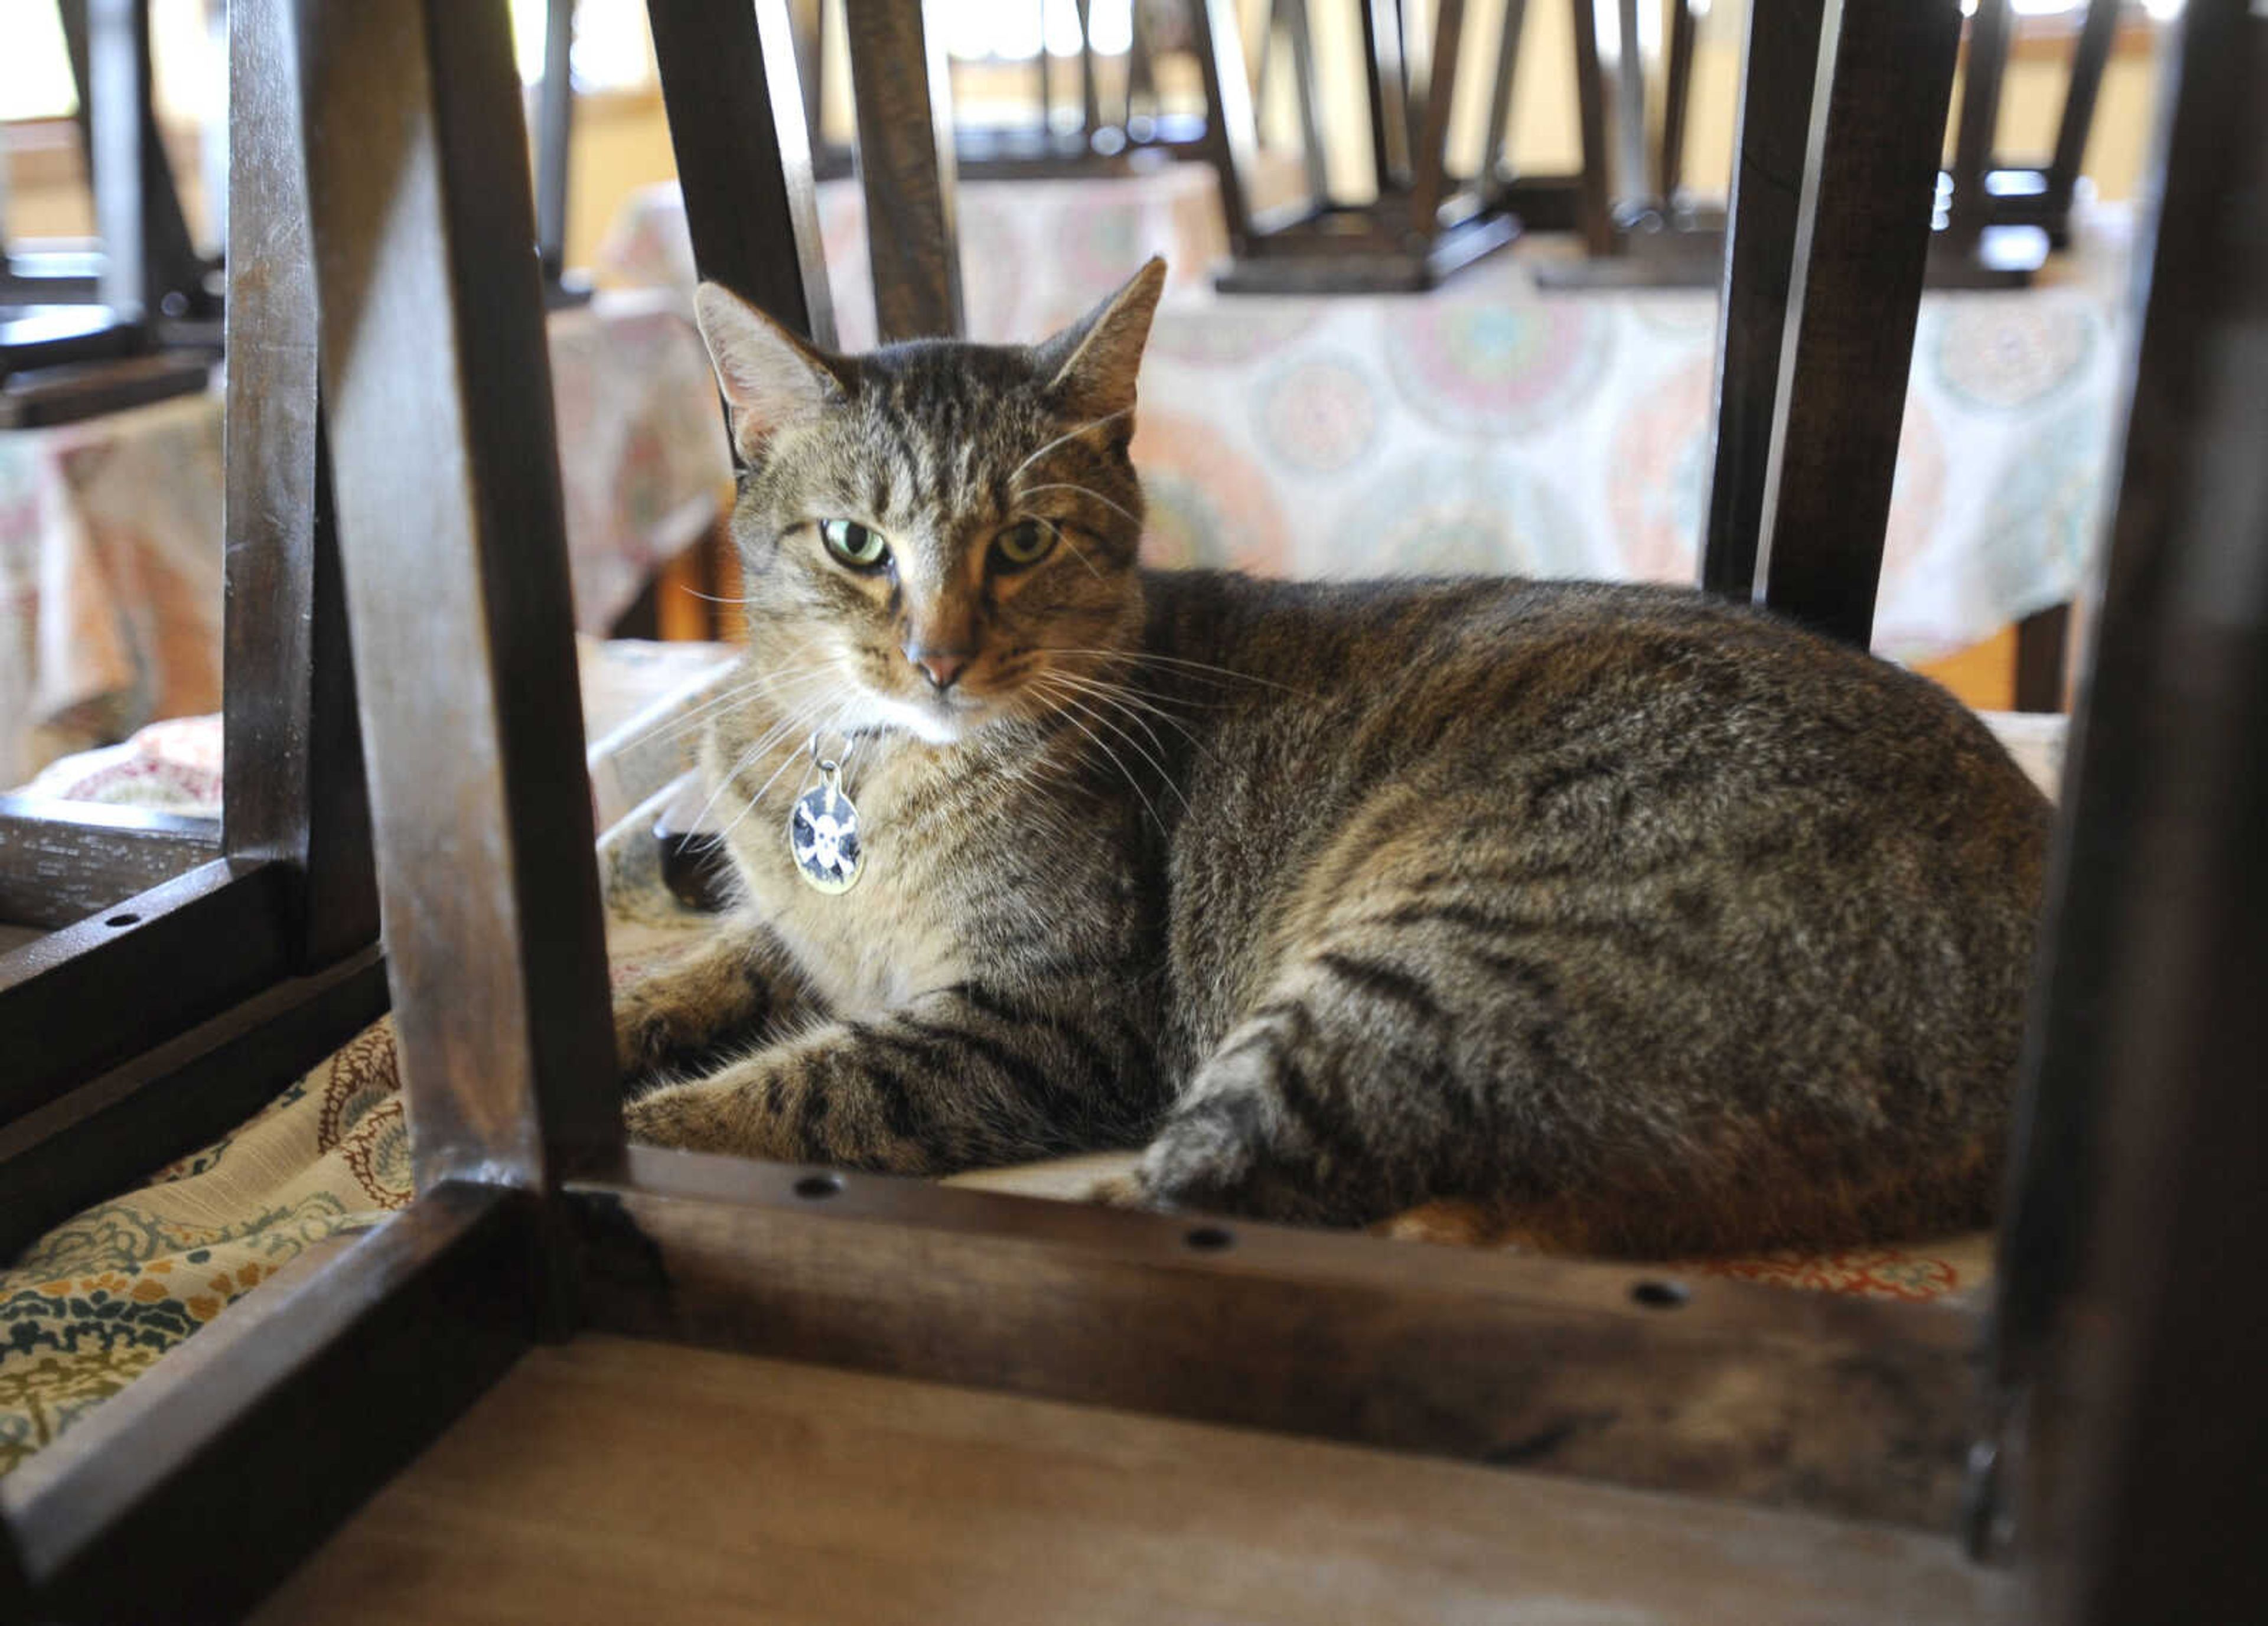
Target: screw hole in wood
{"x":1210,"y":1239}
{"x":817,"y":1186}
{"x":1659,"y":1295}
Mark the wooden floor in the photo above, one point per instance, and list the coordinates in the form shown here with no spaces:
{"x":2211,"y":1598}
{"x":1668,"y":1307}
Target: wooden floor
{"x":608,"y":1480}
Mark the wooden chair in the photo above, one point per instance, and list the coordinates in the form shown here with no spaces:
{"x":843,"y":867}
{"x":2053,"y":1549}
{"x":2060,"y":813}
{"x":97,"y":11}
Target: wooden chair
{"x":2009,"y":216}
{"x":183,"y":970}
{"x":1109,"y":137}
{"x":1641,"y":229}
{"x":2111,"y":1450}
{"x":1424,"y":222}
{"x":145,"y":328}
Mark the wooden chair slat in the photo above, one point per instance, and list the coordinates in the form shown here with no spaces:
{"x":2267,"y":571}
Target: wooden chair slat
{"x":1595,"y":206}
{"x":1862,"y":245}
{"x":1429,"y":163}
{"x":2089,"y":59}
{"x":437,"y":378}
{"x":1232,"y":136}
{"x":1499,"y":130}
{"x":1779,"y":68}
{"x":736,"y":123}
{"x":1481,"y":1355}
{"x":147,"y":251}
{"x":1386,"y":75}
{"x":2137,"y":1180}
{"x":62,"y":861}
{"x":99,"y":1137}
{"x":1676,"y":102}
{"x":293,"y":787}
{"x":555,"y":137}
{"x":1986,"y":73}
{"x":905,"y":158}
{"x":93,"y":993}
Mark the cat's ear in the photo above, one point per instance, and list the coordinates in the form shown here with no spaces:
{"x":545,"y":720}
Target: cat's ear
{"x":1096,"y":359}
{"x":769,"y":377}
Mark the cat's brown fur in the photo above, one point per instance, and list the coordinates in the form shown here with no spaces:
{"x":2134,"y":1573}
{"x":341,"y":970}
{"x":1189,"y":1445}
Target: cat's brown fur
{"x":1653,"y":924}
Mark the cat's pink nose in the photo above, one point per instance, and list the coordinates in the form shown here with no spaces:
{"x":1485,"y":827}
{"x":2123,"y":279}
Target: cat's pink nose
{"x":942,"y":667}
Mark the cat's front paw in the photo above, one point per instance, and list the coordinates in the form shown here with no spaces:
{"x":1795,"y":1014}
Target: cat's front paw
{"x":1123,"y":1190}
{"x":682,"y":1115}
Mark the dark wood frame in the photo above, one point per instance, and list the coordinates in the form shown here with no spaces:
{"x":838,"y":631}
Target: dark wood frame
{"x":1997,"y":229}
{"x":137,"y":203}
{"x":534,"y":1218}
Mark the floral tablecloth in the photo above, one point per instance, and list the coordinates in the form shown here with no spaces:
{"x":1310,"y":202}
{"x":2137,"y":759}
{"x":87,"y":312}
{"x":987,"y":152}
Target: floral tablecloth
{"x":110,"y":530}
{"x":1488,"y":426}
{"x":1491,"y":427}
{"x":93,"y":1303}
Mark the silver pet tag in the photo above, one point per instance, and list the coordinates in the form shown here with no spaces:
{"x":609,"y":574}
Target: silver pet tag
{"x":822,"y":833}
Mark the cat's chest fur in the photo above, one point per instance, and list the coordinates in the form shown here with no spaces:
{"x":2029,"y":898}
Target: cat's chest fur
{"x":896,"y":932}
{"x":877,"y":945}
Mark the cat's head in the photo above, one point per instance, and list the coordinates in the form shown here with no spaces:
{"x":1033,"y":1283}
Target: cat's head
{"x":937,"y":535}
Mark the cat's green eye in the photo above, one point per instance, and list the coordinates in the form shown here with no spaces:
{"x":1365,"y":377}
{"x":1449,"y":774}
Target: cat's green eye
{"x":1022,"y":546}
{"x":855,"y":544}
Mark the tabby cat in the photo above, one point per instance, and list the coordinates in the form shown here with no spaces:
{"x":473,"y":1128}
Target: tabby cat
{"x":1654,"y":924}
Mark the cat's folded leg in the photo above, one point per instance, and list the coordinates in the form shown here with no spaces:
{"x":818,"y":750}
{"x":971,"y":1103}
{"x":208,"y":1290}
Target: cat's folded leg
{"x":735,"y":981}
{"x":957,"y":1079}
{"x":1365,"y":1082}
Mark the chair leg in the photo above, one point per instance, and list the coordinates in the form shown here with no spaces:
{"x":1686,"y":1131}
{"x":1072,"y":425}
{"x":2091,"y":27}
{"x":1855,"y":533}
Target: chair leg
{"x":2088,"y":63}
{"x":736,"y":123}
{"x":434,"y":360}
{"x":904,"y":103}
{"x":1780,"y":66}
{"x":1862,"y":246}
{"x":2121,"y":1350}
{"x":293,"y":788}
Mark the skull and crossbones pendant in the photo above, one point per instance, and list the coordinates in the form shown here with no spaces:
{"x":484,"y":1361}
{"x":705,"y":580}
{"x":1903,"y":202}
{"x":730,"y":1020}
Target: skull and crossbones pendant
{"x":822,"y":832}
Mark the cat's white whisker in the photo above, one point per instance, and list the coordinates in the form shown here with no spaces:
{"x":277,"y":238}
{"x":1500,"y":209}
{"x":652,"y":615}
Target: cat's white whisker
{"x":1164,"y":775}
{"x":1137,"y":658}
{"x":1087,"y":428}
{"x":1131,"y":701}
{"x":769,"y":740}
{"x":1065,"y":485}
{"x":1072,"y":711}
{"x":793,"y":725}
{"x":761,"y":683}
{"x":1077,"y":552}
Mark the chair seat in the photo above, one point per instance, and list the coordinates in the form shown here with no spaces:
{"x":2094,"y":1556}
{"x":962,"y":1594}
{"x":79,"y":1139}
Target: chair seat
{"x":678,"y":1484}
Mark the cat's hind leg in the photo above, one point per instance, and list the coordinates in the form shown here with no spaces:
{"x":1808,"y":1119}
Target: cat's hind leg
{"x":1435,"y":1063}
{"x":1350,"y":1093}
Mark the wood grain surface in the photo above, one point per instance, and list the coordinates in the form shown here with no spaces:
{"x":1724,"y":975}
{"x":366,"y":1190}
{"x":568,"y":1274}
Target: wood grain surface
{"x":606,"y":1481}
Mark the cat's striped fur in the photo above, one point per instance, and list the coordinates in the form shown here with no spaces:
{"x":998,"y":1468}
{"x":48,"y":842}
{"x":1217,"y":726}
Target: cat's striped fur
{"x":1655,"y":924}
